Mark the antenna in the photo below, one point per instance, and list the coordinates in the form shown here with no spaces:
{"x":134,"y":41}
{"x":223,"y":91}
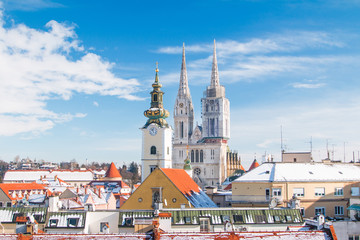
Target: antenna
{"x":310,"y":144}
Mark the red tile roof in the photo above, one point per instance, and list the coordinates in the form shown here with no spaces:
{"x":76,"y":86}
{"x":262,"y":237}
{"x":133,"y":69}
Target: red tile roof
{"x":113,"y":172}
{"x":6,"y":187}
{"x":21,"y":186}
{"x":255,"y":164}
{"x":228,"y":187}
{"x":181,"y":180}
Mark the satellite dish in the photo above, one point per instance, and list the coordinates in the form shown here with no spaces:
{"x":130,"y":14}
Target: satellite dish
{"x":273,"y":203}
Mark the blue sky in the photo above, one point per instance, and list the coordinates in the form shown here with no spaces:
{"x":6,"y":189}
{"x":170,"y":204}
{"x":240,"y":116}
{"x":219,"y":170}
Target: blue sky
{"x":75,"y":76}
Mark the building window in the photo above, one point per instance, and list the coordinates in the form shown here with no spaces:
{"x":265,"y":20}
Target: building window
{"x":355,"y":191}
{"x":152,"y":168}
{"x":201,"y":156}
{"x":212,"y":153}
{"x":197,"y":171}
{"x":53,"y":222}
{"x":1,"y":204}
{"x":204,"y":225}
{"x":104,"y":226}
{"x":302,"y":211}
{"x":212,"y":127}
{"x":319,"y":210}
{"x":294,"y":159}
{"x":192,"y":155}
{"x":298,"y":192}
{"x":320,"y":191}
{"x":276,"y":191}
{"x":181,"y":129}
{"x":168,"y":150}
{"x":197,"y":155}
{"x":339,"y":210}
{"x":156,"y":196}
{"x":8,"y":204}
{"x":354,"y":237}
{"x":155,"y":97}
{"x":153,"y":150}
{"x":72,"y":222}
{"x":339,"y":192}
{"x":267,"y":194}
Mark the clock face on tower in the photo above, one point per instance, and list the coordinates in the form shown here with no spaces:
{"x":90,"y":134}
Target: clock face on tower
{"x":153,"y":131}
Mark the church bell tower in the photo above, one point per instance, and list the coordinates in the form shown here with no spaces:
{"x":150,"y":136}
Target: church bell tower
{"x":156,"y":133}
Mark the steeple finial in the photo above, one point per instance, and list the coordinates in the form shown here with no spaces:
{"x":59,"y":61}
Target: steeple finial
{"x":214,"y":73}
{"x":156,"y":73}
{"x":183,"y":86}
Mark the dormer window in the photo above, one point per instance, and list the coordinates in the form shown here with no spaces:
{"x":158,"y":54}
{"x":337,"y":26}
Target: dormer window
{"x":53,"y":222}
{"x":72,"y":222}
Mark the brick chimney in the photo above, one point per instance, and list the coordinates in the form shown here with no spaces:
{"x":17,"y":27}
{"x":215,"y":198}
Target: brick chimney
{"x":99,"y":193}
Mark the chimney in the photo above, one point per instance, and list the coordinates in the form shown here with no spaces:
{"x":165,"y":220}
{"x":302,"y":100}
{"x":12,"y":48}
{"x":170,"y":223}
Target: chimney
{"x":99,"y":193}
{"x":86,"y":190}
{"x":41,"y":177}
{"x":55,"y":178}
{"x":77,"y":190}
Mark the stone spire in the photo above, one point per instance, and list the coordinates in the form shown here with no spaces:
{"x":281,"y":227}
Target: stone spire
{"x":214,"y":73}
{"x":183,"y":86}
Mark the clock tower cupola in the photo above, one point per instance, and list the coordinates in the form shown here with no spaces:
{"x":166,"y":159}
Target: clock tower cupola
{"x":157,"y":134}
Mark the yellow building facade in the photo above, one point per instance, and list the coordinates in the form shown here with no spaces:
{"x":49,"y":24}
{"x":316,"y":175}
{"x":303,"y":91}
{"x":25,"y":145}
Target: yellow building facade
{"x":320,"y":188}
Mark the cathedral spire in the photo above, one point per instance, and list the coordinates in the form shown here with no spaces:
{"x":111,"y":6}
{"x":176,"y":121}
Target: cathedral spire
{"x":183,"y":86}
{"x":214,"y":73}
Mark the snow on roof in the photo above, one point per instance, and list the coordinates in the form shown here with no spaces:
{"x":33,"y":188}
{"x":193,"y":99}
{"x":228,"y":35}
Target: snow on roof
{"x":7,"y":214}
{"x":61,"y":219}
{"x":302,"y":172}
{"x":37,"y":198}
{"x":33,"y":175}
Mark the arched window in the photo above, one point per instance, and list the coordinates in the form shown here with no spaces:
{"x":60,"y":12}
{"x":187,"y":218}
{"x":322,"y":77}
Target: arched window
{"x":155,"y":97}
{"x":181,"y":129}
{"x":153,"y":150}
{"x":192,"y":155}
{"x":201,"y":156}
{"x":197,"y":155}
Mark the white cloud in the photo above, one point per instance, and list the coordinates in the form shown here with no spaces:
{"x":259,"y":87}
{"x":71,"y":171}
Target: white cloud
{"x":38,"y":66}
{"x":257,"y":130}
{"x":260,"y":58}
{"x":96,"y":104}
{"x":30,"y":5}
{"x":308,"y":85}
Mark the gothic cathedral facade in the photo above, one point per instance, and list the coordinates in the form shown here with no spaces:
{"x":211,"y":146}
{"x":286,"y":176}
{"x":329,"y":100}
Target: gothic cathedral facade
{"x":205,"y":145}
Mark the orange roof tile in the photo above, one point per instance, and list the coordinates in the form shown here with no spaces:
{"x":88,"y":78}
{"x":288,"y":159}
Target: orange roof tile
{"x":112,"y":172}
{"x":255,"y":164}
{"x":21,"y":186}
{"x":6,"y":187}
{"x":181,"y":180}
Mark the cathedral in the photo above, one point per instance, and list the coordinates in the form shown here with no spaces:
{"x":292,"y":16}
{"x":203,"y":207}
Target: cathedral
{"x":202,"y":149}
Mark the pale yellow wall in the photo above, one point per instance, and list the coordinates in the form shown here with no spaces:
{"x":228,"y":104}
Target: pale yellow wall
{"x":156,"y":179}
{"x":309,"y":201}
{"x":300,"y":157}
